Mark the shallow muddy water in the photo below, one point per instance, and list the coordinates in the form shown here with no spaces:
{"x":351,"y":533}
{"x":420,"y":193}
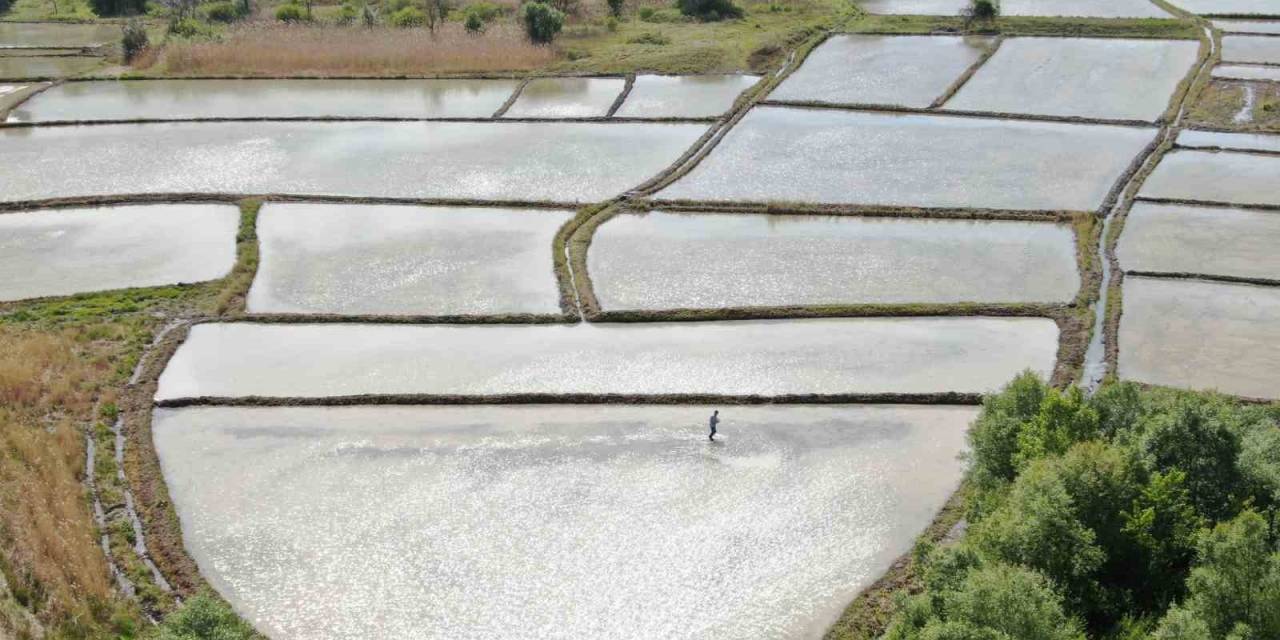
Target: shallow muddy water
{"x":909,"y":71}
{"x":683,"y":96}
{"x":48,"y":34}
{"x":1248,"y":26}
{"x":764,"y":357}
{"x":1229,"y":7}
{"x":1257,"y":49}
{"x":57,"y":252}
{"x":673,"y":260}
{"x":20,"y":67}
{"x":185,"y":99}
{"x":567,"y":98}
{"x":1205,"y":240}
{"x":553,"y":521}
{"x":1215,"y":177}
{"x":499,"y":160}
{"x":1201,"y":335}
{"x":367,"y":259}
{"x":1083,"y":8}
{"x":1108,"y":78}
{"x":1245,"y":72}
{"x":914,"y":7}
{"x":1251,"y":141}
{"x":833,"y":156}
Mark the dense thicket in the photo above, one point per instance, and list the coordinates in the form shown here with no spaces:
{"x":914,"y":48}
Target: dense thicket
{"x":1132,"y":514}
{"x":118,"y":7}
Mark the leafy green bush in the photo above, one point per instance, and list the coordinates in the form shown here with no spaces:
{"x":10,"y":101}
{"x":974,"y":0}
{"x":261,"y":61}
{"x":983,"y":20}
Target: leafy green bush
{"x":615,"y":7}
{"x":105,"y":8}
{"x":473,"y":24}
{"x":291,"y":13}
{"x":662,"y":16}
{"x":224,"y":11}
{"x":541,"y":21}
{"x":133,"y":39}
{"x":709,"y":10}
{"x":611,"y":24}
{"x":347,"y":14}
{"x":204,"y":617}
{"x":189,"y":28}
{"x":486,"y":12}
{"x":984,"y":10}
{"x":408,"y":17}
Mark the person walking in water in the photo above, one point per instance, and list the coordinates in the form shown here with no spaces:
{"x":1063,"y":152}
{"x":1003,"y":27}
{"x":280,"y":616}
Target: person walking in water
{"x":715,"y":420}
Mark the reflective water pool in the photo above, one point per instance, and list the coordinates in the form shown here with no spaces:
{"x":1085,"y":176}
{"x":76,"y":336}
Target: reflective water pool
{"x":834,"y":156}
{"x":56,"y":252}
{"x":1215,"y":177}
{"x":50,"y":34}
{"x":1257,"y":49}
{"x":1218,"y":139}
{"x":567,"y":98}
{"x":1248,"y":26}
{"x":766,"y":357}
{"x":1245,"y":72}
{"x":499,"y":160}
{"x":1083,"y":8}
{"x":683,"y":96}
{"x":22,"y":67}
{"x":1205,"y":240}
{"x":184,"y":99}
{"x":553,"y":521}
{"x":914,"y":7}
{"x":366,"y":259}
{"x":1229,"y":7}
{"x":675,"y":260}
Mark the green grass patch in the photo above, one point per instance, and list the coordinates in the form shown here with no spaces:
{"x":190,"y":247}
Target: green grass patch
{"x":60,"y":10}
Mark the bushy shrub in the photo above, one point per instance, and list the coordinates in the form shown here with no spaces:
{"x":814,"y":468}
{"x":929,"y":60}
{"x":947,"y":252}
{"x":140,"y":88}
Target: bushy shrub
{"x":347,"y":14}
{"x":189,"y":28}
{"x":291,"y":13}
{"x":4,"y":5}
{"x":473,"y":23}
{"x":133,"y":39}
{"x":615,"y":7}
{"x":611,"y":25}
{"x":541,"y":21}
{"x":709,"y":10}
{"x":486,"y":12}
{"x":204,"y":617}
{"x":224,"y":11}
{"x":982,"y":10}
{"x":106,"y":8}
{"x":408,"y":17}
{"x":661,"y":16}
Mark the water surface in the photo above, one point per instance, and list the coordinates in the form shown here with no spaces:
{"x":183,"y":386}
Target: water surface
{"x":1085,"y":77}
{"x":49,"y":34}
{"x":1218,"y":139}
{"x":567,"y":98}
{"x":553,"y":521}
{"x":908,"y":71}
{"x":1201,"y":335}
{"x":185,"y":99}
{"x":1256,"y":49}
{"x":368,"y":259}
{"x":498,"y":160}
{"x":1215,"y":177}
{"x":1245,"y":72}
{"x":834,"y":156}
{"x":57,"y":252}
{"x":22,"y":67}
{"x":1084,"y":8}
{"x":765,"y":357}
{"x":1230,"y":7}
{"x":914,"y":7}
{"x":683,"y":96}
{"x":1205,"y":240}
{"x":672,"y":260}
{"x":1248,"y":26}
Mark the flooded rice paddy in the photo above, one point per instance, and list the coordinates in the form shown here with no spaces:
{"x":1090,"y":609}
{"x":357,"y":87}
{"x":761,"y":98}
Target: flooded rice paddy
{"x":1248,"y":26}
{"x":1201,"y":335}
{"x":1267,"y":8}
{"x":553,"y":521}
{"x":1246,"y":72}
{"x":42,"y":67}
{"x":655,"y":96}
{"x":1238,"y":178}
{"x":1254,"y":49}
{"x":499,"y":161}
{"x":1108,"y":78}
{"x":1217,"y":139}
{"x":50,"y":34}
{"x":187,"y":99}
{"x":1203,"y":240}
{"x":58,"y":252}
{"x":1083,"y":8}
{"x":665,"y":260}
{"x":765,"y":357}
{"x":833,"y":156}
{"x":368,"y":259}
{"x":914,"y":7}
{"x":909,"y":71}
{"x":567,"y":98}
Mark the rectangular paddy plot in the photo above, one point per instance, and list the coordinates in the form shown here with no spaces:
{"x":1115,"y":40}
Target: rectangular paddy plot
{"x":1220,"y":140}
{"x":57,"y":252}
{"x":833,"y":156}
{"x":189,"y":99}
{"x":23,"y":67}
{"x":48,"y":34}
{"x":684,"y":96}
{"x":1248,"y":26}
{"x":553,"y":521}
{"x":759,"y":357}
{"x":567,"y":98}
{"x":1230,"y":7}
{"x":369,"y":259}
{"x":562,"y":162}
{"x":1245,"y":72}
{"x":1254,"y":49}
{"x":1209,"y":176}
{"x":1106,"y":78}
{"x":1201,"y":335}
{"x":1083,"y":8}
{"x":665,"y":260}
{"x":1201,"y":240}
{"x":914,"y":7}
{"x":907,"y":71}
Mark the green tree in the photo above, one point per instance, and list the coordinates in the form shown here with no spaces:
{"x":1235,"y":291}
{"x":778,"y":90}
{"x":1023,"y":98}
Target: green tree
{"x":1236,"y":580}
{"x":1064,"y":419}
{"x":1163,"y":523}
{"x":541,"y":21}
{"x":993,"y":438}
{"x":1180,"y":624}
{"x":1192,"y":436}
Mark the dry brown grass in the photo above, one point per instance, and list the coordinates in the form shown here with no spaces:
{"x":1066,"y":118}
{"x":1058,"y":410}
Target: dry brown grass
{"x":53,"y":565}
{"x":301,"y":50}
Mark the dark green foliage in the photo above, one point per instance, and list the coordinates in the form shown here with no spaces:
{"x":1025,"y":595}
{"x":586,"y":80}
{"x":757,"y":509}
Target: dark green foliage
{"x":5,"y":4}
{"x":224,"y":11}
{"x":473,"y":24}
{"x":408,"y":17}
{"x":133,"y":39}
{"x":188,"y":28}
{"x":291,"y":13}
{"x":709,"y":10}
{"x":204,"y":617}
{"x":106,"y":8}
{"x":541,"y":21}
{"x":486,"y":12}
{"x":982,"y":10}
{"x":1193,"y":437}
{"x":993,"y":438}
{"x":615,"y":7}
